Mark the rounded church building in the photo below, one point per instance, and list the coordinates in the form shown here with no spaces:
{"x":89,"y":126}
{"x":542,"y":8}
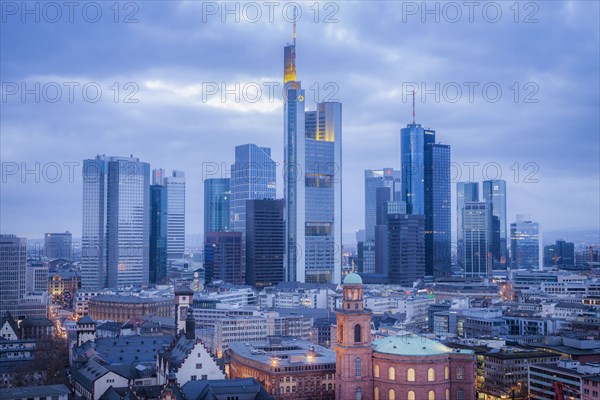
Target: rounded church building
{"x":412,"y":367}
{"x":405,"y":366}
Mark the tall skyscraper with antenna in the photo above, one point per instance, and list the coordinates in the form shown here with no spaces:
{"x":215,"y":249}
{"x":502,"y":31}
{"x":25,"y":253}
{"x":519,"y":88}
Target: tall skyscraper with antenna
{"x":312,"y":182}
{"x":425,"y":167}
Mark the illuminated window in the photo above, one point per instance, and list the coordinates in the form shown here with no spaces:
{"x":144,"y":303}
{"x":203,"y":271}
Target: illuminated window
{"x":392,"y":374}
{"x":447,"y":394}
{"x":411,"y":395}
{"x":460,"y":373}
{"x":431,"y":395}
{"x":430,"y":375}
{"x":376,"y":371}
{"x":410,"y":375}
{"x":446,"y":373}
{"x":392,"y":394}
{"x":376,"y":393}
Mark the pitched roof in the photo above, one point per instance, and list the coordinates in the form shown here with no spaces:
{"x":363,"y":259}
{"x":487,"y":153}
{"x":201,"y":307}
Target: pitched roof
{"x":11,"y":321}
{"x":86,"y":320}
{"x":33,"y":391}
{"x":177,"y":353}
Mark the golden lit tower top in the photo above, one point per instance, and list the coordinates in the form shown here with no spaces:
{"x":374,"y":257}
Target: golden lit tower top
{"x":289,"y":58}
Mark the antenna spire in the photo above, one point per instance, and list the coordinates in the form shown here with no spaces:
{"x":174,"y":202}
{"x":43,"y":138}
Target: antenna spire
{"x":413,"y":107}
{"x":294,"y":29}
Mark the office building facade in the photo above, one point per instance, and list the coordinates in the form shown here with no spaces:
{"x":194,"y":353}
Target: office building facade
{"x":58,"y":245}
{"x":116,"y":222}
{"x":476,"y":221}
{"x":494,"y":193}
{"x":525,"y":238}
{"x":265,"y":242}
{"x":223,"y":257}
{"x":217,"y":201}
{"x":465,"y":192}
{"x":158,"y":233}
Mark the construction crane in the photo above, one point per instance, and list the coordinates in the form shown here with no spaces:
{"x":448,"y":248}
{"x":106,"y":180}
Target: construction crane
{"x":559,"y":392}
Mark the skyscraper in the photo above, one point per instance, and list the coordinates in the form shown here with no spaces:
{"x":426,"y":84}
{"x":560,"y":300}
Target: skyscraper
{"x":525,"y":238}
{"x":175,"y":188}
{"x":476,"y":222}
{"x":465,"y":192}
{"x":116,"y":222}
{"x":494,"y":193}
{"x":158,"y":229}
{"x":312,"y":182}
{"x":425,"y":170}
{"x":265,"y":242}
{"x":13,"y":261}
{"x":323,"y":201}
{"x":14,"y":296}
{"x":223,"y":257}
{"x":406,"y":245}
{"x":58,"y":245}
{"x":560,"y":254}
{"x":437,"y":210}
{"x":376,"y":178}
{"x":217,"y":200}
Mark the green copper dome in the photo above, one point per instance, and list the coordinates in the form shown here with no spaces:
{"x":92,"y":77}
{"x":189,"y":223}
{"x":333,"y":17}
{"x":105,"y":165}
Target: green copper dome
{"x":409,"y":344}
{"x":353,"y":279}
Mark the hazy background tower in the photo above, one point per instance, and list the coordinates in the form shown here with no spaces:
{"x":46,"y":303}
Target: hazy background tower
{"x":525,"y":237}
{"x":158,"y":228}
{"x":494,"y":193}
{"x":116,"y":222}
{"x":58,"y":245}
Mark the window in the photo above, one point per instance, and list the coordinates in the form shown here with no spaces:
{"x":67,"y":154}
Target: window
{"x":376,"y":393}
{"x":447,"y":394}
{"x":358,"y":394}
{"x":357,"y":335}
{"x":411,"y":395}
{"x":410,"y":375}
{"x":357,"y":367}
{"x":392,"y":394}
{"x":431,"y":395}
{"x":460,"y":373}
{"x":392,"y":374}
{"x":204,"y":377}
{"x":376,"y":371}
{"x":460,"y":394}
{"x":446,"y":373}
{"x":430,"y":375}
{"x":287,"y":389}
{"x":199,"y":366}
{"x":193,"y":377}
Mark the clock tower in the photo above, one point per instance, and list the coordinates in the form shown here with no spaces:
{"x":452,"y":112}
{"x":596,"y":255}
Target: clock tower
{"x":354,"y":371}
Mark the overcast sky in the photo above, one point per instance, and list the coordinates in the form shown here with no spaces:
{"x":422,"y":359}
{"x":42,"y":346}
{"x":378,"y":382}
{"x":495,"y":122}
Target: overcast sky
{"x":174,"y":59}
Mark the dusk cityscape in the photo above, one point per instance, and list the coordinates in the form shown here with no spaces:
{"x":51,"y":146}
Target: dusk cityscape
{"x":339,"y":200}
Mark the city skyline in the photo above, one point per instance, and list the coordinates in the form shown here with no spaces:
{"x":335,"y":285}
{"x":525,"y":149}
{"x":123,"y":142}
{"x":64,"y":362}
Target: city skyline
{"x":505,"y":132}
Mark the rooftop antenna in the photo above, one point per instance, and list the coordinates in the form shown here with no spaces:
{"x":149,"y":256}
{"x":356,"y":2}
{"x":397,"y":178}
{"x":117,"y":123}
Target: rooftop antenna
{"x":413,"y":104}
{"x":294,"y":31}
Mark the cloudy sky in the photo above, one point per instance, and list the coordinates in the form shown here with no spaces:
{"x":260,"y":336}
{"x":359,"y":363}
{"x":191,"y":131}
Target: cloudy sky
{"x":511,"y":86}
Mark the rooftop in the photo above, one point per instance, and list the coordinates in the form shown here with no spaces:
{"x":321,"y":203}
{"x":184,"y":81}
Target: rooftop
{"x":287,"y":353}
{"x":115,"y":298}
{"x":409,"y":344}
{"x":353,"y":279}
{"x":34,"y":391}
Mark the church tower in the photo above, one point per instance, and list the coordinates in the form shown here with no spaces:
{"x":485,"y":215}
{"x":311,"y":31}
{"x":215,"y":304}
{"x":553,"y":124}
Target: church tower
{"x":354,"y":371}
{"x":86,"y":330}
{"x":183,"y":302}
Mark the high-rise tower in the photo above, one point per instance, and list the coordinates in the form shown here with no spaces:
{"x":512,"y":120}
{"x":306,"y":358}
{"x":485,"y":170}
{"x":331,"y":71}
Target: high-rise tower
{"x":312,"y":182}
{"x":494,"y":193}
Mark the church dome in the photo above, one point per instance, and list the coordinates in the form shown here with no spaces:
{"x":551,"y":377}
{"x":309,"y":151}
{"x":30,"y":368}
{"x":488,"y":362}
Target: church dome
{"x":353,"y":279}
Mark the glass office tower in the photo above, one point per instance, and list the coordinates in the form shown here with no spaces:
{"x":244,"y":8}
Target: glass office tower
{"x":465,"y":192}
{"x":525,"y":237}
{"x":494,"y":193}
{"x":217,"y":200}
{"x":116,"y":222}
{"x":252,"y":177}
{"x":425,"y":167}
{"x":476,"y":222}
{"x":175,"y":188}
{"x":158,"y":231}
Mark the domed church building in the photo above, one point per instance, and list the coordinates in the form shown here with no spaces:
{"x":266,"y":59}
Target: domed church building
{"x":402,"y":367}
